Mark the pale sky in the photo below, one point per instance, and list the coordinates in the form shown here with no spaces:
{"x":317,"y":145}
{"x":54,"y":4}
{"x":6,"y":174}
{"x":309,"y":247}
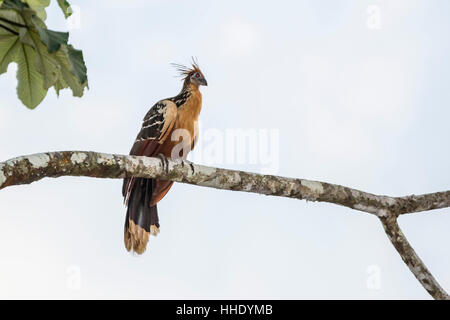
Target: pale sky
{"x":348,"y":92}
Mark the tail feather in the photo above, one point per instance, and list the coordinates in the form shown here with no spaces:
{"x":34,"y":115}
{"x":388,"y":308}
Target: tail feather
{"x":142,"y":218}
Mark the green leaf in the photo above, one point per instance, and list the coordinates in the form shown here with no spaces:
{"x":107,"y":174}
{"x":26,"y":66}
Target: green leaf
{"x":77,"y":62}
{"x":30,"y":87}
{"x":52,"y":39}
{"x":72,"y":74}
{"x":14,"y":4}
{"x":8,"y":50}
{"x":65,"y":7}
{"x":44,"y":57}
{"x":38,"y":6}
{"x":45,"y":62}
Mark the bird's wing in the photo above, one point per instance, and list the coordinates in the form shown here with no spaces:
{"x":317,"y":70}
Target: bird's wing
{"x":156,"y":127}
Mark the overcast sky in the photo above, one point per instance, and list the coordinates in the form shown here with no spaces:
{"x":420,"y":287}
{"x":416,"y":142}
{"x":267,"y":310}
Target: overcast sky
{"x":348,"y":92}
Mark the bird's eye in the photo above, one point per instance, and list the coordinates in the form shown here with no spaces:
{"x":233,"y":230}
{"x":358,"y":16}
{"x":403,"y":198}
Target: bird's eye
{"x":197,"y":75}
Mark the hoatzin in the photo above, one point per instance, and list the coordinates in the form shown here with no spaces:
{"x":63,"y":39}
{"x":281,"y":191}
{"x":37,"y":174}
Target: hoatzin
{"x":157,"y":138}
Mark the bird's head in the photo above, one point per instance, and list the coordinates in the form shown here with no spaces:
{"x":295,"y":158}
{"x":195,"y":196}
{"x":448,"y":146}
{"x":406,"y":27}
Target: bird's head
{"x":192,"y":75}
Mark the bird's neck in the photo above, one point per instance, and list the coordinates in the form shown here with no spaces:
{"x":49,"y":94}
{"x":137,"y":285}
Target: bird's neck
{"x":189,"y":101}
{"x":188,"y":92}
{"x":189,"y":87}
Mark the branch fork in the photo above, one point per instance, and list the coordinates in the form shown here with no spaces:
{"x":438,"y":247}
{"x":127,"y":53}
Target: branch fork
{"x":28,"y":169}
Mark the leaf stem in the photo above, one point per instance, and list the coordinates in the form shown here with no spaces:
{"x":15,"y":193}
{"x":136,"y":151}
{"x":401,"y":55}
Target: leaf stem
{"x":17,"y":24}
{"x":8,"y":29}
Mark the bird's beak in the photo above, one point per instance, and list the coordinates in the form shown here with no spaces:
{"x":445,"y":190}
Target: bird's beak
{"x":203,"y":82}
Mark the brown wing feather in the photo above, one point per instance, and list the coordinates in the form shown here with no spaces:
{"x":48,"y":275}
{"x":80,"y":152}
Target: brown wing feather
{"x":156,"y":126}
{"x":161,"y":189}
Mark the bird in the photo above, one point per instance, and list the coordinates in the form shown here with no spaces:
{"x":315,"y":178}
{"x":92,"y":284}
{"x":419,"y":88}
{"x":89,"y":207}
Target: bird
{"x":166,"y":123}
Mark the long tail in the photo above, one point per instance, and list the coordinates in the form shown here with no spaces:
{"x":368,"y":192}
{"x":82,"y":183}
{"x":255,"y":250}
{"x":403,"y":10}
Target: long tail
{"x":142,"y":219}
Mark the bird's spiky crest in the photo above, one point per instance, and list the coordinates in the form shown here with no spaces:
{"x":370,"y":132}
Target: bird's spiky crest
{"x":185,"y":71}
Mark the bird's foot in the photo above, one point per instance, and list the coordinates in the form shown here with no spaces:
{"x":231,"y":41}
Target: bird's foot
{"x":164,"y":162}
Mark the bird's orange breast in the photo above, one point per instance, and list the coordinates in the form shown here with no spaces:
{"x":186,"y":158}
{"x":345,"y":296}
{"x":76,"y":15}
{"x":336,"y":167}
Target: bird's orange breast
{"x":185,"y":129}
{"x":180,"y":140}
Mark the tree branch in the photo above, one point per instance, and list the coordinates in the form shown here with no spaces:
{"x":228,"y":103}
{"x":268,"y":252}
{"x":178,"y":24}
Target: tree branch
{"x":412,"y":260}
{"x":27,"y":169}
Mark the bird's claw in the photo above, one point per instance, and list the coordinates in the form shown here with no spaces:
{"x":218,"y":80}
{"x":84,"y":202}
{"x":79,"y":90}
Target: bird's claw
{"x":164,"y":163}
